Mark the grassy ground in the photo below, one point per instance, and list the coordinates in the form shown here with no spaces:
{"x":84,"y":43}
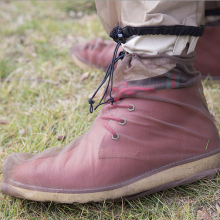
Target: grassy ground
{"x":42,"y":97}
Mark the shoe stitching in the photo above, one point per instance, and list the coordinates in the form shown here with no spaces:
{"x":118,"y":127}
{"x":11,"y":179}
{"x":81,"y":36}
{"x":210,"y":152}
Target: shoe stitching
{"x":38,"y":187}
{"x":115,"y":154}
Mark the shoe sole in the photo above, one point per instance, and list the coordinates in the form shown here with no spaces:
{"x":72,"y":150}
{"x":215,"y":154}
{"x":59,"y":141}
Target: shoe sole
{"x":166,"y":179}
{"x":83,"y":64}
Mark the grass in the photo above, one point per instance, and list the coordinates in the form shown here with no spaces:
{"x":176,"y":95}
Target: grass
{"x":42,"y":97}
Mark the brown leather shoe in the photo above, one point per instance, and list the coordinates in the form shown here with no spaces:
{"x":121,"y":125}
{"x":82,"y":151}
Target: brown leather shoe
{"x":158,"y":134}
{"x":96,"y":53}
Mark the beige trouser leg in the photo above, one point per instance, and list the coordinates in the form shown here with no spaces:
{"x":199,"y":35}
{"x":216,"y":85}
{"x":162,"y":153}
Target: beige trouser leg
{"x":153,"y":13}
{"x":149,"y":13}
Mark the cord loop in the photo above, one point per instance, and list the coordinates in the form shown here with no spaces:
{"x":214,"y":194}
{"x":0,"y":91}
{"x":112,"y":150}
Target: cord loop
{"x":109,"y":74}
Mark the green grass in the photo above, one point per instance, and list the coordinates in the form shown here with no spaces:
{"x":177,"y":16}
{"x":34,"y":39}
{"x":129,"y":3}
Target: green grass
{"x":41,"y":97}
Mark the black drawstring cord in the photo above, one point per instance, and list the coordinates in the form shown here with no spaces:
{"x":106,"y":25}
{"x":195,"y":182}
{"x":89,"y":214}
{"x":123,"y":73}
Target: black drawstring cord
{"x":109,"y":74}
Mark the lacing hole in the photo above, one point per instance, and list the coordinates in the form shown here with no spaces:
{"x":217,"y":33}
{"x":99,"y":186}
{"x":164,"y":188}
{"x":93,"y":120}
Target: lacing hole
{"x":123,"y":122}
{"x":116,"y":137}
{"x":132,"y":108}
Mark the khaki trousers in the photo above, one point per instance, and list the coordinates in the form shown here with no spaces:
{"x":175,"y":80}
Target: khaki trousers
{"x":149,"y":13}
{"x":141,"y":15}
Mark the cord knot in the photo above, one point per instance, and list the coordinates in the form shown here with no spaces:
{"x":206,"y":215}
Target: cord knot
{"x":111,"y":100}
{"x":117,"y":34}
{"x":91,"y":102}
{"x":119,"y":38}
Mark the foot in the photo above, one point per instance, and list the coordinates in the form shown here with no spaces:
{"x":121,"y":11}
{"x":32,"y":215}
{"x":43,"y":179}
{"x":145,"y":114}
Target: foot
{"x":158,"y":134}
